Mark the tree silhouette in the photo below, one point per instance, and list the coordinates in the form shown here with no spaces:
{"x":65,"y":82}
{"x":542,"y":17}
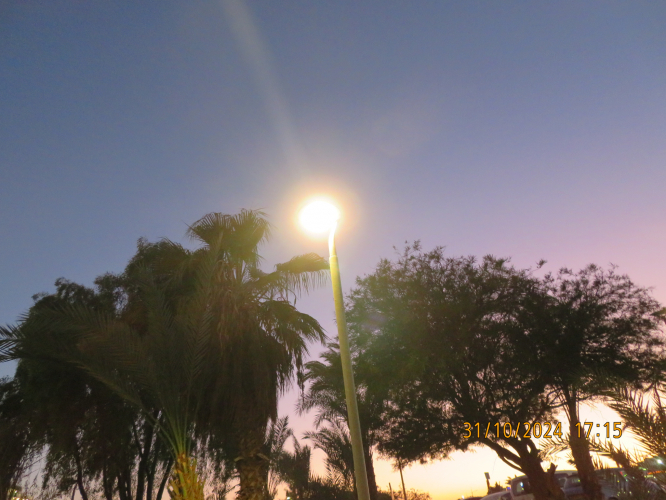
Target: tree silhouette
{"x":604,"y":331}
{"x":455,"y":339}
{"x":326,"y":394}
{"x":201,"y":341}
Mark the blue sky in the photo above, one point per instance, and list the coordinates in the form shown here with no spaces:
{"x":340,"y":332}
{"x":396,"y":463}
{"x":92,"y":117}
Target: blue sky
{"x":523,"y":129}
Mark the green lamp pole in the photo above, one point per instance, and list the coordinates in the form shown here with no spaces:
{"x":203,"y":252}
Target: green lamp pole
{"x":327,"y":217}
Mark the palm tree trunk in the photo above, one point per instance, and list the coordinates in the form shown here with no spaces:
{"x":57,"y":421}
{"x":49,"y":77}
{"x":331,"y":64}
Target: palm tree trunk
{"x":251,"y":464}
{"x":251,"y":478}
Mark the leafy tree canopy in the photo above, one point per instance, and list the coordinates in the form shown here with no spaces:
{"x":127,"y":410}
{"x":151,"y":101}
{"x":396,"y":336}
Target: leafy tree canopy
{"x":455,"y":338}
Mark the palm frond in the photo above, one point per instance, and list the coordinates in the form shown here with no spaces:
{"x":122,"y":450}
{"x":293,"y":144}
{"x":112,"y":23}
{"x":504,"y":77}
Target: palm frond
{"x":276,"y":436}
{"x":645,"y":415}
{"x":336,"y":443}
{"x":553,"y":446}
{"x":9,"y":337}
{"x":237,"y":235}
{"x":297,"y":276}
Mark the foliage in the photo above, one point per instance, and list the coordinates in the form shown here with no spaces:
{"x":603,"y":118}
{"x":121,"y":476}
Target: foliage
{"x":201,"y":342}
{"x":16,"y":451}
{"x":326,"y":393}
{"x":603,"y":332}
{"x":413,"y":494}
{"x":334,"y":440}
{"x":276,"y":437}
{"x":151,"y":361}
{"x":323,"y":489}
{"x":294,"y":469}
{"x":455,"y":338}
{"x":602,"y":324}
{"x":644,"y":414}
{"x":261,"y":336}
{"x":185,"y":482}
{"x":467,"y":346}
{"x":93,"y":439}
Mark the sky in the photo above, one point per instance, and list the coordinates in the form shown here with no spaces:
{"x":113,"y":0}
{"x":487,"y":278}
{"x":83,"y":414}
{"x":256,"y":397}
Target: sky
{"x":529,"y":130}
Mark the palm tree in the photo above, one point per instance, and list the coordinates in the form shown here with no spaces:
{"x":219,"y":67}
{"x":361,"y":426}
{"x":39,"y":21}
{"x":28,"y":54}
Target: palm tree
{"x":203,"y":342}
{"x":91,"y":436}
{"x":16,"y":448}
{"x":601,"y":323}
{"x":261,"y":338}
{"x":645,"y":414}
{"x":326,"y":394}
{"x":334,"y":440}
{"x":276,"y":437}
{"x":294,"y":469}
{"x":154,"y":362}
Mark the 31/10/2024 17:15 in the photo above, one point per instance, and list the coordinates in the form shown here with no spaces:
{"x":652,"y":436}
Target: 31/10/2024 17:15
{"x":536,"y":430}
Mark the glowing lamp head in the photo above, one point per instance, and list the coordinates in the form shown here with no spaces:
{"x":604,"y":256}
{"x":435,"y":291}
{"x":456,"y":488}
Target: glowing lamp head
{"x":319,"y":216}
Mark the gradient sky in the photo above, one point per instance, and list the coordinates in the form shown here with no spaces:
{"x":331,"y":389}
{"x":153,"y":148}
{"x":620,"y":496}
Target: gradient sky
{"x":530,"y":130}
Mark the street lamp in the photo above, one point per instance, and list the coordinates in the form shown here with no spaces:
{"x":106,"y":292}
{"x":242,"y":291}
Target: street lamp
{"x":318,"y":217}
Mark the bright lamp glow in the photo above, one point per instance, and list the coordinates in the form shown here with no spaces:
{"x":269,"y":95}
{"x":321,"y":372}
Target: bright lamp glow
{"x":319,"y":216}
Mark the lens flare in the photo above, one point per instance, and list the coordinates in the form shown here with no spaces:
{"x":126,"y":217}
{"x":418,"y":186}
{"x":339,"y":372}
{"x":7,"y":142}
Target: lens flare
{"x":319,"y":216}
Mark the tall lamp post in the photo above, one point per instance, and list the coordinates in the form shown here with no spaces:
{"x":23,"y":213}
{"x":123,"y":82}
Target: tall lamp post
{"x":320,"y":216}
